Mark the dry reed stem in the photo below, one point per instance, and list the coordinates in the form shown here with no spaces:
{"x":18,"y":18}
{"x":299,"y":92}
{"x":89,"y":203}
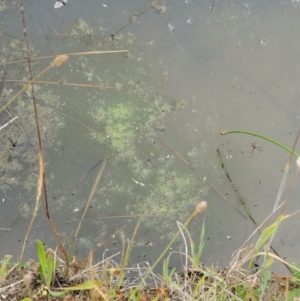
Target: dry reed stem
{"x":130,"y":246}
{"x":7,"y":123}
{"x":37,"y":201}
{"x":67,"y":116}
{"x":67,"y":84}
{"x":93,"y":190}
{"x":279,"y":259}
{"x":58,"y":61}
{"x":24,"y":88}
{"x":69,"y":54}
{"x":104,"y":242}
{"x":1,"y":88}
{"x":175,"y":153}
{"x":248,"y":251}
{"x":18,"y":125}
{"x":234,"y":207}
{"x":107,"y":217}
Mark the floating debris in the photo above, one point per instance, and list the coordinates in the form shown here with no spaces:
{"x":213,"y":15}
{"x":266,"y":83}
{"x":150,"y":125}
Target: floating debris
{"x":151,"y":163}
{"x":60,"y":3}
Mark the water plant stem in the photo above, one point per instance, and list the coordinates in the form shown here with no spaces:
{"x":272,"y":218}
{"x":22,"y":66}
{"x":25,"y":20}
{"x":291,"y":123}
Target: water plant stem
{"x":262,"y":137}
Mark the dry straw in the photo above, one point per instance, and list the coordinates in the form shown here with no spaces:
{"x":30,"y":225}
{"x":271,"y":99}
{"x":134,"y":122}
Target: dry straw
{"x":57,"y":62}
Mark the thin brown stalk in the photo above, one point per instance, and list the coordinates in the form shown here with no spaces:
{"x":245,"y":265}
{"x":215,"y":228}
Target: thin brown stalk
{"x":108,"y":217}
{"x":1,"y":88}
{"x":7,"y":123}
{"x":136,"y":15}
{"x":25,"y":87}
{"x":67,"y":116}
{"x":18,"y":125}
{"x":126,"y":254}
{"x":175,"y":153}
{"x":69,"y":54}
{"x":235,"y":208}
{"x":102,"y":244}
{"x":130,"y":245}
{"x":58,"y":61}
{"x":37,"y":202}
{"x":97,"y":180}
{"x":66,"y":84}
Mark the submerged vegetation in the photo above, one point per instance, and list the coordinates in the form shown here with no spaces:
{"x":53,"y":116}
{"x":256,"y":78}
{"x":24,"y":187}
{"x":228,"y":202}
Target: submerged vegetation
{"x":138,"y":164}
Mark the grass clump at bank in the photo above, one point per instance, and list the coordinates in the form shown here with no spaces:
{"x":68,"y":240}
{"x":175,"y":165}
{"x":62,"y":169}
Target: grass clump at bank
{"x":51,"y":278}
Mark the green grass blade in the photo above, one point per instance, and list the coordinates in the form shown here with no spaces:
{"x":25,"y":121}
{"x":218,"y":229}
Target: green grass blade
{"x":42,"y":256}
{"x":47,"y":264}
{"x":267,"y":233}
{"x":262,"y":137}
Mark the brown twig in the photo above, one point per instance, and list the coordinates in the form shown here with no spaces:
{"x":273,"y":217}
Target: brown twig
{"x":69,"y":54}
{"x":235,"y":208}
{"x":67,"y":116}
{"x":175,"y":153}
{"x":136,"y":15}
{"x":102,"y":244}
{"x":1,"y":88}
{"x":67,"y":84}
{"x":58,"y":61}
{"x":93,"y":190}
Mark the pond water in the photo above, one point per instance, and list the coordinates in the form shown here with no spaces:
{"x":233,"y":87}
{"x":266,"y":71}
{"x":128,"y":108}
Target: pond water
{"x":153,"y":114}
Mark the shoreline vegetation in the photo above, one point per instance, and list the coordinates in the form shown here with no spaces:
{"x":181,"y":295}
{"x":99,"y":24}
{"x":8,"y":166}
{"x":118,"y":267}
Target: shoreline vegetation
{"x":52,"y":278}
{"x":56,"y":276}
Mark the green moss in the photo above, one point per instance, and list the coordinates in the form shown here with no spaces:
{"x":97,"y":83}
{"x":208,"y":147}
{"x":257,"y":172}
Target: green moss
{"x":119,"y":128}
{"x":119,"y":131}
{"x":171,"y":194}
{"x":119,"y":113}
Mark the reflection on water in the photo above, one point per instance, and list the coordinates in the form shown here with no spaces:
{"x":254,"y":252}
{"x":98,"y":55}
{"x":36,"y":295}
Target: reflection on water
{"x":155,"y":113}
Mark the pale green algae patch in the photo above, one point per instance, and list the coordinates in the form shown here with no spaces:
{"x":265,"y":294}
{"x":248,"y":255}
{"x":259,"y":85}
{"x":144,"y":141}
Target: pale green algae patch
{"x":127,"y":119}
{"x":118,"y":128}
{"x":174,"y":190}
{"x":127,"y":123}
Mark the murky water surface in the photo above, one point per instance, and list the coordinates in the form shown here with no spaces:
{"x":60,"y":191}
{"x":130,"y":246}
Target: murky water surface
{"x":154,"y":113}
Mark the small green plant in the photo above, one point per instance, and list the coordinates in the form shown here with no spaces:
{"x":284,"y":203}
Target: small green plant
{"x":246,"y":292}
{"x":4,"y":264}
{"x":196,"y":254}
{"x":47,"y":269}
{"x":295,"y":272}
{"x":168,"y":275}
